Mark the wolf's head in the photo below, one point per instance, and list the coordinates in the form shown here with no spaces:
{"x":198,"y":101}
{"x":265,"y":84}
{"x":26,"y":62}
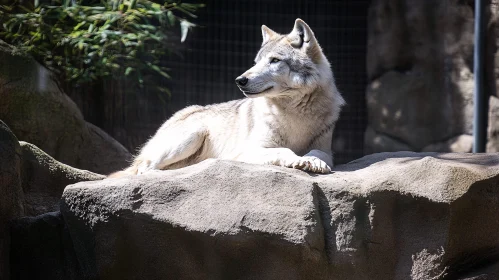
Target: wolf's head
{"x":286,"y":65}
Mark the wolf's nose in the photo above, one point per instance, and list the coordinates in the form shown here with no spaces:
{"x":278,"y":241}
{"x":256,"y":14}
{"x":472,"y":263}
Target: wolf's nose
{"x":241,"y":80}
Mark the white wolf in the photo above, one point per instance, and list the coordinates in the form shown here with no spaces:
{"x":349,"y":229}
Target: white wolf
{"x":288,"y":118}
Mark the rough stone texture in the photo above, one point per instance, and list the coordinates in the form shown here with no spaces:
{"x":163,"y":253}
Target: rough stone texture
{"x":44,"y":180}
{"x":459,"y":144}
{"x":490,"y":272}
{"x":11,"y":194}
{"x":493,"y":125}
{"x":385,"y":216}
{"x":218,"y":222}
{"x":39,"y":113}
{"x":379,"y":142}
{"x":31,"y":181}
{"x":420,"y":72}
{"x":42,"y":249}
{"x":492,"y":48}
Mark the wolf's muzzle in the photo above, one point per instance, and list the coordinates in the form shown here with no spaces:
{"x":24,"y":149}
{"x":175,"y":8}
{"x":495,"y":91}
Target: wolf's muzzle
{"x":241,"y":81}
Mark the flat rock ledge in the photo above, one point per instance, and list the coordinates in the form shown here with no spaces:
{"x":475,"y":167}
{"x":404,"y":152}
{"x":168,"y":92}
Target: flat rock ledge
{"x":385,"y":216}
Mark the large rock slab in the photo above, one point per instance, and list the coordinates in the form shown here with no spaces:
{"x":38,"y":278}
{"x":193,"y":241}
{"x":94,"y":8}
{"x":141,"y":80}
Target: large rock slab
{"x":385,"y":216}
{"x":38,"y":112}
{"x":218,"y":222}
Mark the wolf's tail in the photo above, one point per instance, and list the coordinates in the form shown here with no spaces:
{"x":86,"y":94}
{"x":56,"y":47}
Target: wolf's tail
{"x":132,"y":170}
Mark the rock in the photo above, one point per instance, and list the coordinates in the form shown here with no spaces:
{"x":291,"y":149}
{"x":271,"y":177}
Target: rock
{"x":379,"y":142}
{"x":42,"y":249}
{"x":31,"y":183}
{"x":420,"y":69}
{"x":44,"y":180}
{"x":428,"y":34}
{"x":212,"y":225}
{"x":459,"y":144}
{"x":385,"y":216}
{"x":424,"y":214}
{"x":493,"y":126}
{"x":409,"y":107}
{"x":489,"y":272}
{"x":11,"y":194}
{"x":492,"y":48}
{"x":39,"y":113}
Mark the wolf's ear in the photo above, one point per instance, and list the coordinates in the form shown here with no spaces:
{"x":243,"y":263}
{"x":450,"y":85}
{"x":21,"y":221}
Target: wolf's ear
{"x":267,"y":33}
{"x":302,"y":36}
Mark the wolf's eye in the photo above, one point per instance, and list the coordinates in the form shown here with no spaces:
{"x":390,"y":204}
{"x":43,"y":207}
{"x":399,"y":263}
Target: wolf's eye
{"x":274,"y":60}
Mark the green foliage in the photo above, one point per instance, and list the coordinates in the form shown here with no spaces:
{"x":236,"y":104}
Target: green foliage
{"x":86,"y":40}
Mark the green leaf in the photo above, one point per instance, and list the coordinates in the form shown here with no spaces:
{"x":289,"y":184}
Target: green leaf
{"x":133,"y":3}
{"x":86,"y":40}
{"x":79,"y":25}
{"x":171,"y":18}
{"x":128,"y":71}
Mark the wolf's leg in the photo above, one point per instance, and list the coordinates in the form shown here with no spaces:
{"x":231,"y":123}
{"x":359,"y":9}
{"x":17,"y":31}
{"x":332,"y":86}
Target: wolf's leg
{"x":285,"y":157}
{"x":169,"y":146}
{"x":321,"y":151}
{"x":325,"y":157}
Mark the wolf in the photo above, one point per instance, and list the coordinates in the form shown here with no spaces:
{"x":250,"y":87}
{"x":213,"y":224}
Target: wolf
{"x":287,"y":119}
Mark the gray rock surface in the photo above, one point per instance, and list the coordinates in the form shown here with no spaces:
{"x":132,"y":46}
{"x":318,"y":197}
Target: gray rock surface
{"x":385,"y":216}
{"x":39,"y":113}
{"x":379,"y":142}
{"x":405,"y":106}
{"x":493,"y":125}
{"x":492,"y":47}
{"x":44,"y":180}
{"x":420,"y":72}
{"x":459,"y":144}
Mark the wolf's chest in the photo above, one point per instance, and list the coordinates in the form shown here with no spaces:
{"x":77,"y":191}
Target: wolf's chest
{"x":297,"y":135}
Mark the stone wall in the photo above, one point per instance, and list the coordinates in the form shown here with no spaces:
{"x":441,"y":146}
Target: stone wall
{"x":420,"y":73}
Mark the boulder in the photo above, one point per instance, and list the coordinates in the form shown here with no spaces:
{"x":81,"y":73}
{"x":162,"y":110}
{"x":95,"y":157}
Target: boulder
{"x":410,"y":107}
{"x":433,"y":35}
{"x":31,"y":183}
{"x":459,"y":144}
{"x":492,"y":48}
{"x":38,"y":112}
{"x":493,"y":126}
{"x":385,"y":216}
{"x":44,"y":180}
{"x":11,"y":193}
{"x":420,"y":72}
{"x":380,"y":142}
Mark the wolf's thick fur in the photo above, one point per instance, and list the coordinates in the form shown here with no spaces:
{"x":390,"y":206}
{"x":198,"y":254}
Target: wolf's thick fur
{"x":288,"y":119}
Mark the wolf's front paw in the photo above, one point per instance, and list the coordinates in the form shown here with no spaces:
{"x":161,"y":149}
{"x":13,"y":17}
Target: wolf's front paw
{"x":311,"y":164}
